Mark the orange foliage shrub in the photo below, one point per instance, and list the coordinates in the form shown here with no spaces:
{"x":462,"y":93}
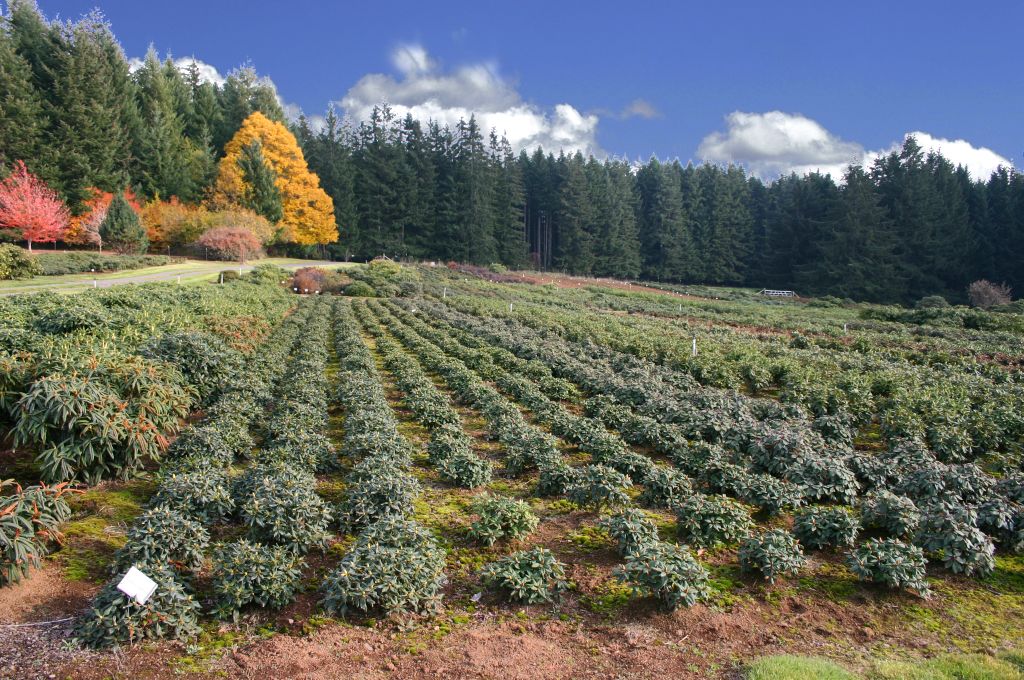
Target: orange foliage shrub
{"x":231,"y":243}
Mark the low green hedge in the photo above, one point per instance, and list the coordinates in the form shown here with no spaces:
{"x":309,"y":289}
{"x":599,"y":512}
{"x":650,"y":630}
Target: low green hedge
{"x":57,"y":264}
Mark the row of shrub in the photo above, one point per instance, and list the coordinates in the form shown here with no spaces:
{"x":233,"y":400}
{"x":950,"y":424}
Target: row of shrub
{"x":395,"y":565}
{"x":789,"y":450}
{"x":667,"y":572}
{"x":810,"y":462}
{"x":92,"y":387}
{"x":526,"y":446}
{"x":450,"y":449}
{"x":169,"y":539}
{"x":944,"y":394}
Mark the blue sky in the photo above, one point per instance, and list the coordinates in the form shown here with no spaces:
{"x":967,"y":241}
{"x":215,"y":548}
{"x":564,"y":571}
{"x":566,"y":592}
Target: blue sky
{"x":776,"y":86}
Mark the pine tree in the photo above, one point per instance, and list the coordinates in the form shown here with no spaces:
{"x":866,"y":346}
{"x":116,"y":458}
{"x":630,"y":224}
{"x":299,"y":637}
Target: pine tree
{"x":162,"y":152}
{"x":619,"y":252}
{"x":22,"y":122}
{"x":93,"y":112}
{"x":243,"y":94}
{"x":853,"y":253}
{"x":121,"y":229}
{"x":573,"y":245}
{"x":667,"y":245}
{"x":509,"y":198}
{"x":329,"y":154}
{"x":260,"y":194}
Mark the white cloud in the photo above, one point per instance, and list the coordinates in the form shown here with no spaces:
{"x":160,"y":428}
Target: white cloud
{"x":428,"y":92}
{"x":640,"y":108}
{"x":412,"y":60}
{"x":207,"y":72}
{"x":776,"y":143}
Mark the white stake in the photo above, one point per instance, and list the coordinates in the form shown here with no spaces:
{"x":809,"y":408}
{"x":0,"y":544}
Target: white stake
{"x":510,"y":306}
{"x":95,"y":284}
{"x":844,"y":329}
{"x":444,"y":294}
{"x":694,"y":346}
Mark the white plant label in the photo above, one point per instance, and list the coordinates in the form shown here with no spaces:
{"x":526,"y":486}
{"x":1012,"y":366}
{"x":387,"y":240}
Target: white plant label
{"x":137,"y":585}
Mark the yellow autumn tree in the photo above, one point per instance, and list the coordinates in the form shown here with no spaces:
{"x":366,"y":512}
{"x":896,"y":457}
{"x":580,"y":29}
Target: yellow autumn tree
{"x":307,"y":212}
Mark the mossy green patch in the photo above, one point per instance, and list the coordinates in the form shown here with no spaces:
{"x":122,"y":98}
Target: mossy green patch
{"x":949,"y":667}
{"x":213,"y":642}
{"x":590,"y":538}
{"x":789,"y":667}
{"x":608,"y":598}
{"x":835,"y":581}
{"x":99,"y":519}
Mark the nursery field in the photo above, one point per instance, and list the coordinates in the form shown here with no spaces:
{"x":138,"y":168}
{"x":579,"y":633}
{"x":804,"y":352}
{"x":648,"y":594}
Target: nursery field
{"x":464,"y":473}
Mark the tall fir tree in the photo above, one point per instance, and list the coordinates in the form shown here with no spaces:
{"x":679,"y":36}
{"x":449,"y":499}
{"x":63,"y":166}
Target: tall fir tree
{"x":22,"y":110}
{"x":163,"y":154}
{"x":261,"y":194}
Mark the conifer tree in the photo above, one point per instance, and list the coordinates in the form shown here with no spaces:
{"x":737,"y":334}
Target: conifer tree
{"x":122,"y":229}
{"x":22,"y":119}
{"x":260,"y":193}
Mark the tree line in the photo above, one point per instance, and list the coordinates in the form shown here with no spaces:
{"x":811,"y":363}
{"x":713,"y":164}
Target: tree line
{"x":911,"y":224}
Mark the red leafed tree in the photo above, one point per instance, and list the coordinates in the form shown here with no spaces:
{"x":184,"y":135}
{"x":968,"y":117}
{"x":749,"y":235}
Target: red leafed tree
{"x":231,"y":243}
{"x":31,"y":207}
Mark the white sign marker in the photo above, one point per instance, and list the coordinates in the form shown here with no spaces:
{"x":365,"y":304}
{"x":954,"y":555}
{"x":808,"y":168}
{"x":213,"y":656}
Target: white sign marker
{"x":137,"y":585}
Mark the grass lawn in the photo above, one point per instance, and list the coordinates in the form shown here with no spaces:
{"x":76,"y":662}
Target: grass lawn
{"x":191,"y":271}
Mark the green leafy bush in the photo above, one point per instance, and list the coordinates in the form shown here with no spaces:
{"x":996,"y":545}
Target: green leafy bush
{"x":528,"y":576}
{"x":706,"y":520}
{"x":30,"y":522}
{"x":631,"y":529}
{"x":161,"y":536}
{"x":285,"y":511}
{"x":665,"y":488}
{"x":247,"y":573}
{"x":395,"y":566}
{"x":770,"y":494}
{"x":115,"y":619}
{"x":102,"y":422}
{"x":667,"y":572}
{"x":377,"y":490}
{"x":773,"y":553}
{"x":359,"y":289}
{"x":821,"y":527}
{"x":892,"y":562}
{"x":897,"y":515}
{"x":467,"y":470}
{"x":15,"y":263}
{"x":949,"y":531}
{"x":499,"y":518}
{"x":599,"y":486}
{"x":204,"y":359}
{"x":203,"y":496}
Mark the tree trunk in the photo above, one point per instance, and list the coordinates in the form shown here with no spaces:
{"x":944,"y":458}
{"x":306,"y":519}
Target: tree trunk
{"x":29,"y":245}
